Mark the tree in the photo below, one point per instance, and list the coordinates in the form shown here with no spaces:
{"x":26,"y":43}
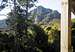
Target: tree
{"x":20,"y":15}
{"x":23,"y":38}
{"x":3,"y":4}
{"x":52,"y":30}
{"x":73,"y":34}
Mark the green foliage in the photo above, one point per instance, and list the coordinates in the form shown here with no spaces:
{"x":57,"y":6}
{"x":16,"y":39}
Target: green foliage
{"x":26,"y":36}
{"x":53,"y":32}
{"x":73,"y":24}
{"x":30,"y":3}
{"x":22,"y":1}
{"x":6,"y":42}
{"x":35,"y":40}
{"x":73,"y":34}
{"x":73,"y":20}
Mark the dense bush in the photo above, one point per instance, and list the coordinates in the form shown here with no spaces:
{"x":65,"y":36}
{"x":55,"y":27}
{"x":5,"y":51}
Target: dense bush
{"x":34,"y":41}
{"x":73,"y":34}
{"x":25,"y":36}
{"x":37,"y":39}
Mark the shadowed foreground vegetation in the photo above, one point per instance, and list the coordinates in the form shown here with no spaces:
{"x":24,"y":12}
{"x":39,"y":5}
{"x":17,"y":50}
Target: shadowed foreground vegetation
{"x":39,"y":38}
{"x":36,"y":40}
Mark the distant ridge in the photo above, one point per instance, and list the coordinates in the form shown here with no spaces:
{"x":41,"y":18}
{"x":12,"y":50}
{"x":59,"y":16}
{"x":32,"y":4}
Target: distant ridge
{"x":45,"y":14}
{"x":3,"y":24}
{"x":41,"y":15}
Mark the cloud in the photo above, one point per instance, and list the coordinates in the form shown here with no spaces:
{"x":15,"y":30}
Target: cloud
{"x":3,"y":17}
{"x":4,"y":12}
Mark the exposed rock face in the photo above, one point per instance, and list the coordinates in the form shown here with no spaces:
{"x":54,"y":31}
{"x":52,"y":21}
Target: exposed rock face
{"x":45,"y":14}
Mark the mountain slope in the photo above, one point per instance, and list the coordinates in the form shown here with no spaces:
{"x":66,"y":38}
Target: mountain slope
{"x":3,"y":24}
{"x":45,"y":14}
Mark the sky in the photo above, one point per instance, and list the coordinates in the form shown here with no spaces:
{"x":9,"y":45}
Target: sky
{"x":52,"y":4}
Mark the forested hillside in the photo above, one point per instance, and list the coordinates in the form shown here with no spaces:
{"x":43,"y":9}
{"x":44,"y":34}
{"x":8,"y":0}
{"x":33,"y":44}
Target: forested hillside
{"x":24,"y":35}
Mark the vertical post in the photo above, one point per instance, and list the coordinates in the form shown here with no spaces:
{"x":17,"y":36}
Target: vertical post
{"x":66,"y":26}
